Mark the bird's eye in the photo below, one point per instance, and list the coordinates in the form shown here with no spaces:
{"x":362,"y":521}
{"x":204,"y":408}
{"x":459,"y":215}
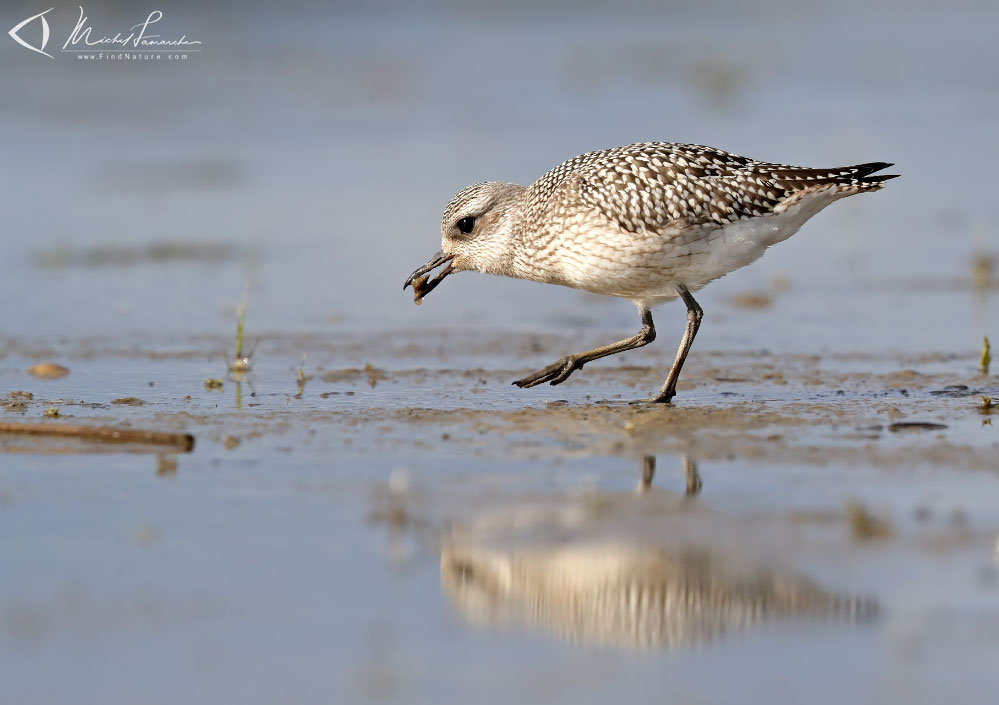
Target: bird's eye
{"x":466,"y":225}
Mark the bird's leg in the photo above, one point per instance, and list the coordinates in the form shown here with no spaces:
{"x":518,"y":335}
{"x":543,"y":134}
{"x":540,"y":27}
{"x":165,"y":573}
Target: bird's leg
{"x":689,"y":470}
{"x":694,"y":315}
{"x":693,"y":477}
{"x":648,"y":473}
{"x":559,"y":371}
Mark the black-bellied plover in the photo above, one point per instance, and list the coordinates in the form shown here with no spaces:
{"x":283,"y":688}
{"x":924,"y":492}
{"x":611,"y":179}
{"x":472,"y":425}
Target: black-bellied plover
{"x":647,"y":222}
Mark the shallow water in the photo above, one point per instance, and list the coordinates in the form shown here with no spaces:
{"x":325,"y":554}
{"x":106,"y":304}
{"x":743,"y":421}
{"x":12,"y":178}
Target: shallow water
{"x":413,"y":528}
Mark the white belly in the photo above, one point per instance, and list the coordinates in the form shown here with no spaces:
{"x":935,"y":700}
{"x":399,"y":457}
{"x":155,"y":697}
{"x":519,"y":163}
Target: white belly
{"x":647,"y":268}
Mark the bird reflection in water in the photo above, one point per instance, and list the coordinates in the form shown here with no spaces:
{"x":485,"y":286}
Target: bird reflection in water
{"x":614,"y":590}
{"x":694,"y":483}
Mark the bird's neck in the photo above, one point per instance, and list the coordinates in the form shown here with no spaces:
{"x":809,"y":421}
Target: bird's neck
{"x":504,"y":252}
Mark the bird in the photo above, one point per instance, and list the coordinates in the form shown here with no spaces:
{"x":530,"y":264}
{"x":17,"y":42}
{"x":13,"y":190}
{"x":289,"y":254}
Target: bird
{"x":649,"y":222}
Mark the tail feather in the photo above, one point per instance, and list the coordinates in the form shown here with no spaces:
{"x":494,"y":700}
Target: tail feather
{"x":861,"y":177}
{"x":798,"y":184}
{"x":864,"y":173}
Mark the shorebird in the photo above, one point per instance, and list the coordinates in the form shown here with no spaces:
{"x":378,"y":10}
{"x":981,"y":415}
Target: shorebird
{"x":648,"y":222}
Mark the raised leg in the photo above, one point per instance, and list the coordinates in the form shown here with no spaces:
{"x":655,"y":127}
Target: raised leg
{"x":694,"y":315}
{"x":559,"y":371}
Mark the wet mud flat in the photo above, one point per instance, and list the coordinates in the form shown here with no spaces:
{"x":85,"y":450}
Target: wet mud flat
{"x":432,"y":393}
{"x":393,"y":506}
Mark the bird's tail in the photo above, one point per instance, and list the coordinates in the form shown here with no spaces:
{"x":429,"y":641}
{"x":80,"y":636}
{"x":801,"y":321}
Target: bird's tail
{"x":848,"y":179}
{"x":864,"y":175}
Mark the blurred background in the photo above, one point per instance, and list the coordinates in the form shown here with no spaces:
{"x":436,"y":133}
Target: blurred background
{"x":305,"y":153}
{"x":309,"y":149}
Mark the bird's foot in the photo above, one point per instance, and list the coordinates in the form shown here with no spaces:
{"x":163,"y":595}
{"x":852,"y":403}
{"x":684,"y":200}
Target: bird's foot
{"x":664,"y":397}
{"x":555,"y":373}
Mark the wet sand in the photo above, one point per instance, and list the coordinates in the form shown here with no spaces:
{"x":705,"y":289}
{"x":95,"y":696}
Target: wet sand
{"x":842,"y":500}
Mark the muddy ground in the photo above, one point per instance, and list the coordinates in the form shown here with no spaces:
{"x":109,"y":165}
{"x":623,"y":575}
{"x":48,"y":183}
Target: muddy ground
{"x":795,"y":506}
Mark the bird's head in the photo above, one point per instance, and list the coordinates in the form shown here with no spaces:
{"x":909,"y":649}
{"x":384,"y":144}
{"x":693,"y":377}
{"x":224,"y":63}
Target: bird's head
{"x":476,"y":233}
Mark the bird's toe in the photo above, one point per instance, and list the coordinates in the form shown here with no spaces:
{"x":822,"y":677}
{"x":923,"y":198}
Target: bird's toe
{"x":556,"y":373}
{"x":568,"y":367}
{"x":663,"y":398}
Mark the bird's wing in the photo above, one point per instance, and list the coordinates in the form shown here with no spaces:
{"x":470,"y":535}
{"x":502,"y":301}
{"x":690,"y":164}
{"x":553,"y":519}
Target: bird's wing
{"x":650,"y":186}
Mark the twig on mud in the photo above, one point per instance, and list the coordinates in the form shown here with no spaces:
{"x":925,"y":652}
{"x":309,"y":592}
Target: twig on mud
{"x":108,"y":434}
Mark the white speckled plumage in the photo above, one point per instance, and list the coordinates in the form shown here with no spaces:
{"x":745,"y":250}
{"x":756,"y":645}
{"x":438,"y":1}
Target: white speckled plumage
{"x":645,"y":222}
{"x":636,"y":221}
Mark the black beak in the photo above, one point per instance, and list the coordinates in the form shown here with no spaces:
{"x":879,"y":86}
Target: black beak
{"x":422,"y":287}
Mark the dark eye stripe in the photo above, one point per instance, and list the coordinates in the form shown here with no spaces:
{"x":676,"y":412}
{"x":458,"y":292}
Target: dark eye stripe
{"x":466,"y":225}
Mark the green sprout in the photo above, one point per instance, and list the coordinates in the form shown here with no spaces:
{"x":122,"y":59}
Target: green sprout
{"x":301,"y":377}
{"x":241,"y":363}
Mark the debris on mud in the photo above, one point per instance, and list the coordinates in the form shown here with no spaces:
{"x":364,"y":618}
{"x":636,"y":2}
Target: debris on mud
{"x":864,"y":526}
{"x":128,"y":401}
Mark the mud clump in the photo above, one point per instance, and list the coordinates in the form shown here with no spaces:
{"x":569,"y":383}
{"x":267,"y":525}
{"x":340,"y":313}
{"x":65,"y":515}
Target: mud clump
{"x":48,"y":370}
{"x":128,"y":401}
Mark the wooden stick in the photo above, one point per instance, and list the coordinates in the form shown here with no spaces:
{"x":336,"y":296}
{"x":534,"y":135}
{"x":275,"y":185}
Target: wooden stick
{"x":184,"y":442}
